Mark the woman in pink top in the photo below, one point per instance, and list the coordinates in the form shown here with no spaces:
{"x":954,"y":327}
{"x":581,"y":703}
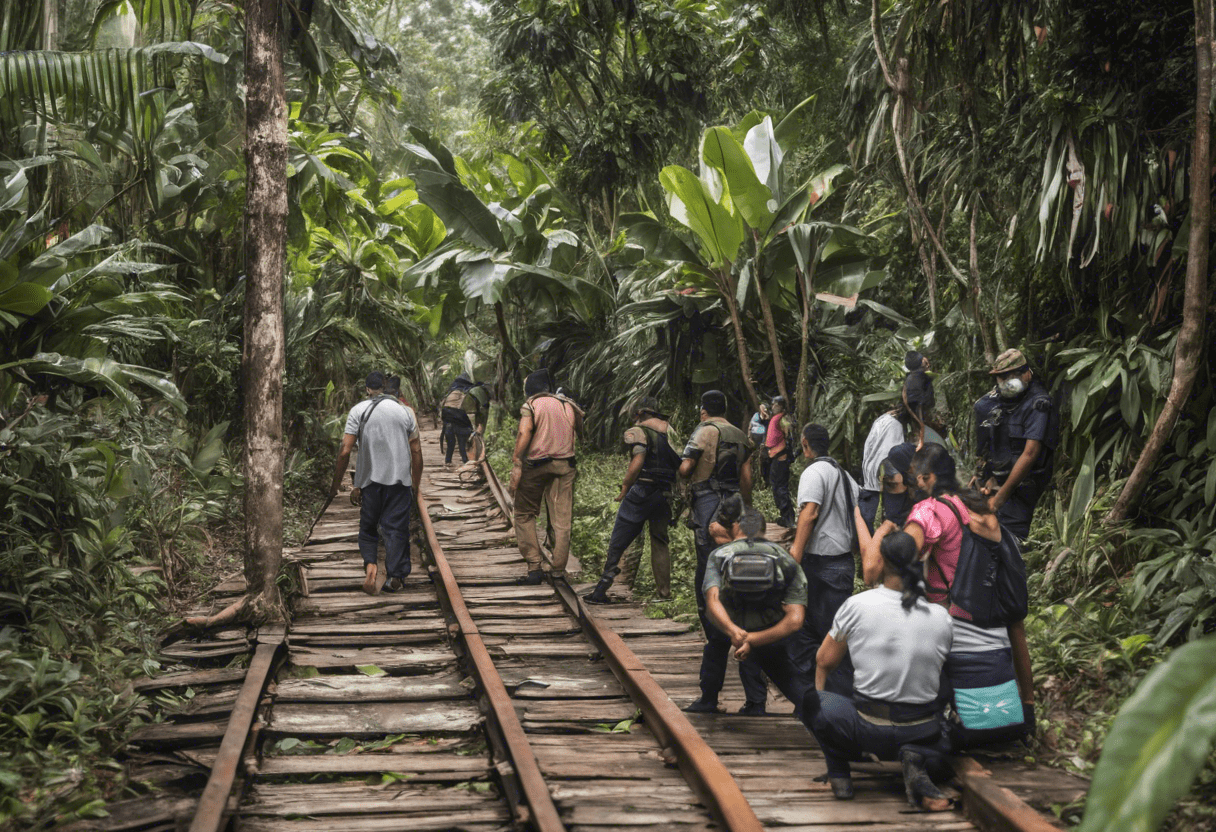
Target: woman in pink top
{"x":993,"y":660}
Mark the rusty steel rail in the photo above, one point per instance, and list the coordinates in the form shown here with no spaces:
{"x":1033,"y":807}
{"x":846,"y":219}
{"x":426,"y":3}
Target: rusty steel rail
{"x":211,"y":813}
{"x":986,"y":803}
{"x":703,"y":770}
{"x":540,"y":812}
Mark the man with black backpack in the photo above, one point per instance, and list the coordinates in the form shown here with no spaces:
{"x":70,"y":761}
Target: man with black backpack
{"x":717,"y":464}
{"x":756,"y":596}
{"x":644,"y":498}
{"x":824,"y":542}
{"x":387,"y":473}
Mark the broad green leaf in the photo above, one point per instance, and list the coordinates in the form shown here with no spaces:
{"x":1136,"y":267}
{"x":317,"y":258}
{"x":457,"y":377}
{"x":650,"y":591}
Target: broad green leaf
{"x":1157,"y":745}
{"x":25,"y":299}
{"x":485,"y":280}
{"x":370,"y":670}
{"x":462,"y":212}
{"x":766,"y":155}
{"x":1082,"y":490}
{"x":787,"y":129}
{"x":743,"y":192}
{"x":718,"y":231}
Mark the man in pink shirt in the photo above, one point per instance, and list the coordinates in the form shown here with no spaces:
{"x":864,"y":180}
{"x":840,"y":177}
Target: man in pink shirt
{"x":544,"y":460}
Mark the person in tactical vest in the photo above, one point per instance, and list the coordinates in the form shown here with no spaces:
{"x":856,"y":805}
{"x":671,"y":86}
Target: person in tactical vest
{"x":756,"y":595}
{"x":544,"y":462}
{"x":1017,"y":429}
{"x":824,"y":542}
{"x":464,"y":411}
{"x":780,"y":444}
{"x":644,"y":499}
{"x":717,"y":464}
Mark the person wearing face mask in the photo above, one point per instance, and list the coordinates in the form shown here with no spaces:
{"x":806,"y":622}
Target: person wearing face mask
{"x":1017,"y":427}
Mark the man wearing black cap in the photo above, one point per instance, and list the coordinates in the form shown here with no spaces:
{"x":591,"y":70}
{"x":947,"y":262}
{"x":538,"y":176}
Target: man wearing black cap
{"x":387,"y":473}
{"x":1017,"y":429}
{"x":544,"y":462}
{"x":717,"y":463}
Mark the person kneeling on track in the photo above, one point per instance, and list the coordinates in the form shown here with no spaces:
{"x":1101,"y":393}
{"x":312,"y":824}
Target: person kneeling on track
{"x":898,"y":642}
{"x":755,"y":593}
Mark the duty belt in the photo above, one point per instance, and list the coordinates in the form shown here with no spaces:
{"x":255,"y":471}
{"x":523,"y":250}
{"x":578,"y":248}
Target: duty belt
{"x":884,"y":713}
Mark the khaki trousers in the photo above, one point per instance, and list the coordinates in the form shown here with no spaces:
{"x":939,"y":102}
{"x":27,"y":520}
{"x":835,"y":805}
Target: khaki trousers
{"x":556,"y":476}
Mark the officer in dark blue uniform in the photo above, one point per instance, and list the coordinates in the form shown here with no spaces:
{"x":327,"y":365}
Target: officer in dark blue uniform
{"x":1017,"y":428}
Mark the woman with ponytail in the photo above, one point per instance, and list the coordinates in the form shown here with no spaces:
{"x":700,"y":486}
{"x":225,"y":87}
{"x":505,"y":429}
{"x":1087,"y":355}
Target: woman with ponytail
{"x":988,"y":672}
{"x":897,"y":642}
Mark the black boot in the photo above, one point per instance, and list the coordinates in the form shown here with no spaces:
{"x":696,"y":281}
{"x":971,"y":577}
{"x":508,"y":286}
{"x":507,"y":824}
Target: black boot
{"x":533,"y":578}
{"x":599,"y":595}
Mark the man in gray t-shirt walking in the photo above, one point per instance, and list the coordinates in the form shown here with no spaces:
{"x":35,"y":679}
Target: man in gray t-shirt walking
{"x":823,"y":544}
{"x":387,"y":473}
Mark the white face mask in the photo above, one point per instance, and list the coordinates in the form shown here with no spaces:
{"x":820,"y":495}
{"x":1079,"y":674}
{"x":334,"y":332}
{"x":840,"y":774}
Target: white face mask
{"x":1011,"y":388}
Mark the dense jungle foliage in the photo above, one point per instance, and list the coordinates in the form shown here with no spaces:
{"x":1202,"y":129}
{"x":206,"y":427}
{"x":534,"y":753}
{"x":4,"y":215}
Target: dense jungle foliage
{"x":646,"y":196}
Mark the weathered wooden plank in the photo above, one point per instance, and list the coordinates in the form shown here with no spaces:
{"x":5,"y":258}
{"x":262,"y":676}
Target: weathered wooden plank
{"x":191,"y":678}
{"x":322,"y":799}
{"x":406,"y":660}
{"x":170,"y":734}
{"x":373,"y":718}
{"x":371,"y":689}
{"x":419,"y":767}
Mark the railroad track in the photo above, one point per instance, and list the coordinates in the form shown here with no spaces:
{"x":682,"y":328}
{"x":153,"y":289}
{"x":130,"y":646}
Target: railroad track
{"x":466,"y":702}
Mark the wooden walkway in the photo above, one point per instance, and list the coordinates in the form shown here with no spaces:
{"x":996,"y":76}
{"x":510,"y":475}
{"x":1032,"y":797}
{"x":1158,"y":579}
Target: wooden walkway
{"x":372,"y":723}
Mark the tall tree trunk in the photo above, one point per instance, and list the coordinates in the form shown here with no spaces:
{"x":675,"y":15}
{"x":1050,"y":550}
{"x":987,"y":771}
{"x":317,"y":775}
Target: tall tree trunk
{"x":766,"y":310}
{"x":806,"y":284}
{"x":1189,"y":348}
{"x":745,"y":364}
{"x":985,"y":335}
{"x":50,"y":25}
{"x":508,"y":356}
{"x":265,"y":257}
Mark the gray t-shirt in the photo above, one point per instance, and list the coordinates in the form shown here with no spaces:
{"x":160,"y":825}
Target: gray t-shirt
{"x":897,"y":654}
{"x":384,"y":450}
{"x":833,"y":532}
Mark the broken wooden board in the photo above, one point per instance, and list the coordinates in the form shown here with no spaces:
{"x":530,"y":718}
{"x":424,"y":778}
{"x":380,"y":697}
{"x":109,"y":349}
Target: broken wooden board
{"x":371,"y":689}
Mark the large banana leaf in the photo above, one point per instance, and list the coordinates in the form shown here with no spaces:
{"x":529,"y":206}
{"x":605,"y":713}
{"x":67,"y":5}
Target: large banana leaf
{"x":101,"y":374}
{"x":742,"y":191}
{"x":462,"y":212}
{"x":1158,"y":743}
{"x":719,"y":232}
{"x":766,"y":157}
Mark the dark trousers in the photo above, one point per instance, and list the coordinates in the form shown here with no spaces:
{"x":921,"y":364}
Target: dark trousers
{"x":1018,"y":511}
{"x":716,"y":653}
{"x":779,"y":477}
{"x":829,"y":580}
{"x":845,"y":735}
{"x":456,"y":432}
{"x":644,"y":503}
{"x":386,"y":508}
{"x":868,"y":503}
{"x":775,"y":662}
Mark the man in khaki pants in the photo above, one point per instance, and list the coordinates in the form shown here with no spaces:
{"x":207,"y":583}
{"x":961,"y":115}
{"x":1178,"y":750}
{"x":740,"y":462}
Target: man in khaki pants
{"x":544,"y":459}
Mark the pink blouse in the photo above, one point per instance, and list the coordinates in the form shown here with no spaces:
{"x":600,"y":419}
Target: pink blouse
{"x":943,"y":540}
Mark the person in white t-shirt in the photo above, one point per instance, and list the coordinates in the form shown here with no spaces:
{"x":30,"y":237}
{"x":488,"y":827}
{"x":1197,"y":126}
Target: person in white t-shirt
{"x":888,"y":430}
{"x":897,"y":642}
{"x":387,"y":473}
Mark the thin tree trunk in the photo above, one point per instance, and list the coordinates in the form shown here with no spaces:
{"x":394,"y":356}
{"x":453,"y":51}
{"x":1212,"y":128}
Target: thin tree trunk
{"x":1189,"y":347}
{"x":766,"y":310}
{"x":265,"y":257}
{"x":985,"y":335}
{"x":745,"y":364}
{"x":508,"y":358}
{"x":803,"y":394}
